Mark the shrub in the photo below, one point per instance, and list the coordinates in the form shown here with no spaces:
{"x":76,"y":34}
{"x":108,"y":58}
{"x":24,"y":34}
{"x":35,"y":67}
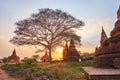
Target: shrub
{"x":88,"y":57}
{"x":71,"y":78}
{"x":86,"y":76}
{"x":14,"y":70}
{"x":59,"y":76}
{"x":44,"y":71}
{"x":29,"y":61}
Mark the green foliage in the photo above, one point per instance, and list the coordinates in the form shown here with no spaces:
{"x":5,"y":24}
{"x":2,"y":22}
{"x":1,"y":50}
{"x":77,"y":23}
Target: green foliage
{"x":71,"y":78}
{"x":29,"y":78}
{"x":85,"y":76}
{"x":88,"y":57}
{"x":59,"y":75}
{"x":46,"y":71}
{"x":14,"y":69}
{"x":79,"y":64}
{"x":29,"y":61}
{"x":4,"y":60}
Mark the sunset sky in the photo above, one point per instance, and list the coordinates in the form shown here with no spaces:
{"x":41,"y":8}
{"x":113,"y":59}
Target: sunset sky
{"x":94,"y":13}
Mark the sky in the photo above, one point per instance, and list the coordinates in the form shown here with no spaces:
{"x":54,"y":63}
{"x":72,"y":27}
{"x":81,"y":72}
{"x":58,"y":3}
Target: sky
{"x":94,"y":13}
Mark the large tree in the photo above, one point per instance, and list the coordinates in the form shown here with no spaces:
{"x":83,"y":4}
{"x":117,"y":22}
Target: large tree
{"x":47,"y":29}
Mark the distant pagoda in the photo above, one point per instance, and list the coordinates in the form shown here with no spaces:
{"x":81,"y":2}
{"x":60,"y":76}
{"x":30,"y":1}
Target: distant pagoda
{"x":70,"y":53}
{"x":65,"y":50}
{"x":45,"y":57}
{"x":108,"y":54}
{"x":13,"y":58}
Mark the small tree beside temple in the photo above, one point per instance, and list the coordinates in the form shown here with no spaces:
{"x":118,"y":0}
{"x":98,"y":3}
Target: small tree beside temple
{"x":47,"y":29}
{"x":36,"y":57}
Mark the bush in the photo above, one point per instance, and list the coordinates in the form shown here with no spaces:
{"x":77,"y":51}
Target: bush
{"x":14,"y":70}
{"x":88,"y":57}
{"x":44,"y":71}
{"x":29,"y":61}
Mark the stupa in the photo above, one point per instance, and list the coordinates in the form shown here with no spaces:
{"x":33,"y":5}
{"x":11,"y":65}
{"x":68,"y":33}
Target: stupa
{"x":108,"y":54}
{"x":65,"y":50}
{"x":45,"y":57}
{"x":70,"y":53}
{"x":13,"y":58}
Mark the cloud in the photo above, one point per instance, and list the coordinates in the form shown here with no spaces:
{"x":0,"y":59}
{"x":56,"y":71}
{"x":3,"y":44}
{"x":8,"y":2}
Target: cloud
{"x":91,"y":33}
{"x":6,"y":49}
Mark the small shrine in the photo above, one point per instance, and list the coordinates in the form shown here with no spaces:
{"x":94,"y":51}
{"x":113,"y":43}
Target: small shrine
{"x":13,"y":58}
{"x":70,"y":53}
{"x":107,"y":55}
{"x":45,"y":57}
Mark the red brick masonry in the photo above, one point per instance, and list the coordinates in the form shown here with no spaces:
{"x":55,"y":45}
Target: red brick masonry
{"x":102,"y":74}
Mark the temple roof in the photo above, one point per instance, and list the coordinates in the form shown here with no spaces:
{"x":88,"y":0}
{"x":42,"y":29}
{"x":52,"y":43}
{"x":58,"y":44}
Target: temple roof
{"x":72,"y":45}
{"x":103,"y":36}
{"x":118,"y":13}
{"x":72,"y":51}
{"x":45,"y":55}
{"x":13,"y":55}
{"x":65,"y":50}
{"x":66,"y":46}
{"x":116,"y":30}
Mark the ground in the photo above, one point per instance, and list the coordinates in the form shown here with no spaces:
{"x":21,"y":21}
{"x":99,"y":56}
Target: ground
{"x":5,"y":76}
{"x":45,"y":71}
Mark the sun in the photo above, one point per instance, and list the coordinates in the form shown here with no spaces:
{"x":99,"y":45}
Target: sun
{"x":59,"y":50}
{"x":58,"y":53}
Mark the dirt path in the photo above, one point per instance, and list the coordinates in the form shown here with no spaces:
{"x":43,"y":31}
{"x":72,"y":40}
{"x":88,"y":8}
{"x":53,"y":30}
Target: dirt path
{"x":5,"y":76}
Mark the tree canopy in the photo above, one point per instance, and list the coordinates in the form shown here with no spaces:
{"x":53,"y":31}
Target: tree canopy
{"x":47,"y":29}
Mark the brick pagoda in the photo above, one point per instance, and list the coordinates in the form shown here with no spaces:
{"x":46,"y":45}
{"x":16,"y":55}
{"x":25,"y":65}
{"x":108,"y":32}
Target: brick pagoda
{"x":13,"y":58}
{"x":45,"y":57}
{"x":70,"y":53}
{"x":108,"y":54}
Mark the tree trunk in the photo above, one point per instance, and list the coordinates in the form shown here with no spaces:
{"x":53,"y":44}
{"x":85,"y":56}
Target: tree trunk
{"x":50,"y":57}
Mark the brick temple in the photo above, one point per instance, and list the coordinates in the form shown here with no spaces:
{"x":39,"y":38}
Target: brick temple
{"x":70,"y":53}
{"x":13,"y":58}
{"x":107,"y":55}
{"x":45,"y":57}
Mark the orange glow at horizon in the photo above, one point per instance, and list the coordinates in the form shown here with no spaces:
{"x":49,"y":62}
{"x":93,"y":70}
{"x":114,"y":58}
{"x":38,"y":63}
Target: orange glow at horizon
{"x":57,"y":55}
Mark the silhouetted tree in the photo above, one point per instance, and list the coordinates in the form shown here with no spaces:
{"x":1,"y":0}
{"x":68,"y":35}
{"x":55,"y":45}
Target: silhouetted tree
{"x":28,"y":61}
{"x":47,"y":28}
{"x":4,"y":60}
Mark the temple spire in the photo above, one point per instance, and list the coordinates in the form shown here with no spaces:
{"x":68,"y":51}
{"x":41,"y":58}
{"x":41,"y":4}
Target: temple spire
{"x":14,"y":52}
{"x":103,"y":36}
{"x":65,"y":51}
{"x":70,"y":53}
{"x":45,"y":57}
{"x":118,"y":13}
{"x":66,"y":46}
{"x":46,"y":52}
{"x":13,"y":58}
{"x":116,"y":30}
{"x":72,"y":44}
